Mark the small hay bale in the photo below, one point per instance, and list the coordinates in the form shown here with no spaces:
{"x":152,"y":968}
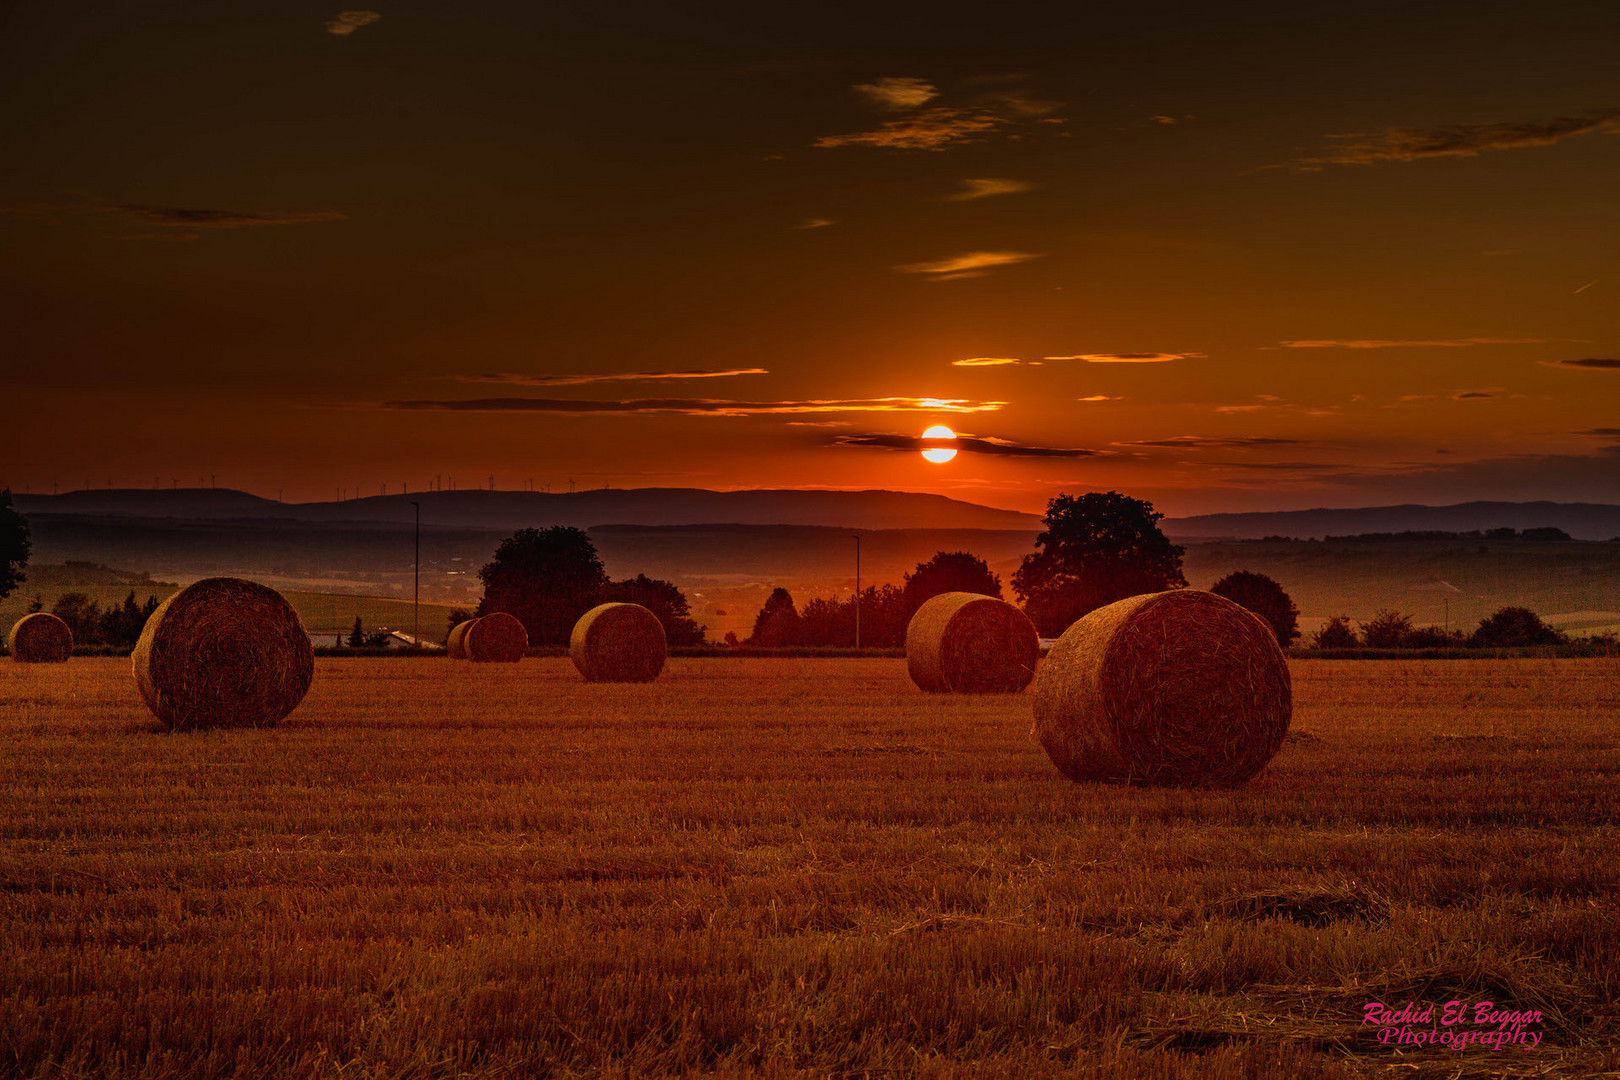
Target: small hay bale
{"x":223,"y":652}
{"x":40,"y":638}
{"x":618,"y":643}
{"x":1181,"y":689}
{"x":455,"y":646}
{"x":497,"y":638}
{"x":967,"y":643}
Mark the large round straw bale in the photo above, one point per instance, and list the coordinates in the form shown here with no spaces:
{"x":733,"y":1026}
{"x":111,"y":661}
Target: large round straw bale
{"x":40,"y":638}
{"x":618,"y":643}
{"x":496,"y":638}
{"x":455,"y":646}
{"x":223,"y":652}
{"x":968,"y":643}
{"x":1182,"y":688}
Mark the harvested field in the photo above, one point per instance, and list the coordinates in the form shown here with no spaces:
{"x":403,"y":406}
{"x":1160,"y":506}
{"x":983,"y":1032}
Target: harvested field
{"x":795,"y":868}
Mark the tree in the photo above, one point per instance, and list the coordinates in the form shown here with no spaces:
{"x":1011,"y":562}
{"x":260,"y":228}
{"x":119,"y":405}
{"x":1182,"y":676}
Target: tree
{"x":1510,"y":627}
{"x":777,"y":622}
{"x":664,"y":600}
{"x":1387,"y":630}
{"x":1097,"y":548}
{"x":1336,"y":633}
{"x":455,"y":618}
{"x":357,"y":636}
{"x":546,"y":578}
{"x":82,"y":615}
{"x":832,"y":622}
{"x":122,"y":625}
{"x":14,"y":545}
{"x":948,"y":571}
{"x":1263,"y":596}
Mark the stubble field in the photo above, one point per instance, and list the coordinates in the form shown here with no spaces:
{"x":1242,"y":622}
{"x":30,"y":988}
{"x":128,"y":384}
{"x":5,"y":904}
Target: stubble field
{"x":796,"y":867}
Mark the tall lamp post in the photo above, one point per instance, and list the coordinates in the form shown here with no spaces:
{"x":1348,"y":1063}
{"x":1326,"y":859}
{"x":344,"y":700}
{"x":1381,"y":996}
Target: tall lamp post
{"x":416,"y":596}
{"x":857,"y":592}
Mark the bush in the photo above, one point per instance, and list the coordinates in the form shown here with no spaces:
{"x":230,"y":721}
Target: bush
{"x":1263,"y":596}
{"x":1513,"y":627}
{"x":1336,"y":633}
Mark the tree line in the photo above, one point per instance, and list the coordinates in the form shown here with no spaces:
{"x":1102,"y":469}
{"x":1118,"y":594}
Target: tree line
{"x":548,"y":578}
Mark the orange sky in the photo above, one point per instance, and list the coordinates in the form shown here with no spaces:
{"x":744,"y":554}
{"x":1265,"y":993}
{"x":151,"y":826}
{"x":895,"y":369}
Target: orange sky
{"x":1246,"y":258}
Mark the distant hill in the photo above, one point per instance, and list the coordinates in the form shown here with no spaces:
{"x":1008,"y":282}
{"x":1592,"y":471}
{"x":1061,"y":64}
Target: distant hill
{"x":1582,"y":521}
{"x":510,"y":510}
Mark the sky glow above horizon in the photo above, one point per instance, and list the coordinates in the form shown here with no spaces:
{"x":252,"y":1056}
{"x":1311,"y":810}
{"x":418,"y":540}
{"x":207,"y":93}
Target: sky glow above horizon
{"x":1321,"y":258}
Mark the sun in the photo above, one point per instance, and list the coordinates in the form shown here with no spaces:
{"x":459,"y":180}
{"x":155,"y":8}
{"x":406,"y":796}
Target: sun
{"x":939,"y":454}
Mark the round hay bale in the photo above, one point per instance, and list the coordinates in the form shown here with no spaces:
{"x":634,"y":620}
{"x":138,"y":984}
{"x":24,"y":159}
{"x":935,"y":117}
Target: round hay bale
{"x":968,"y":643}
{"x":1181,"y":689}
{"x":455,"y":646}
{"x":497,"y":638}
{"x":223,"y":652}
{"x":618,"y":643}
{"x":40,"y":638}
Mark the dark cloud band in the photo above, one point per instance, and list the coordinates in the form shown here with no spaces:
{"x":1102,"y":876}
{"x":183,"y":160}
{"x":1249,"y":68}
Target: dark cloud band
{"x":969,"y":444}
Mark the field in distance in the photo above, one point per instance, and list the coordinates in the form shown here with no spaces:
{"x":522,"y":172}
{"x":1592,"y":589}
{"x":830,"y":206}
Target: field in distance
{"x":322,"y":613}
{"x":794,"y":868}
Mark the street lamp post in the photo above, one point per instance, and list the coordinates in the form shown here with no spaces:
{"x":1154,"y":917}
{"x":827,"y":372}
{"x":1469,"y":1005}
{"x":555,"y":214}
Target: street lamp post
{"x":416,"y":597}
{"x":857,"y":592}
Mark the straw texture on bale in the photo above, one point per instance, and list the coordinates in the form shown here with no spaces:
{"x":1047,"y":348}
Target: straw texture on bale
{"x":456,"y":644}
{"x":1180,"y":689}
{"x":40,"y":638}
{"x":497,"y":638}
{"x":223,"y":652}
{"x":967,"y":643}
{"x":618,"y":643}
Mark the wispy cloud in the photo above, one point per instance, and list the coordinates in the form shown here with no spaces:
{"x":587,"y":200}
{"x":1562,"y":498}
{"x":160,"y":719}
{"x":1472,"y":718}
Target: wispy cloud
{"x":815,"y":223}
{"x":348,"y":22}
{"x":1163,"y":118}
{"x":971,"y":444}
{"x":986,"y":361}
{"x":968,"y":264}
{"x":988,"y":186}
{"x":693,"y":406}
{"x":1458,"y":140}
{"x":939,"y":127}
{"x":931,"y":129}
{"x":177,"y":217}
{"x":1200,"y":442}
{"x":517,"y":379}
{"x":1473,"y":395}
{"x":1099,"y":397}
{"x":1130,"y":357}
{"x":898,"y":93}
{"x":1588,"y":363}
{"x":1383,"y":343}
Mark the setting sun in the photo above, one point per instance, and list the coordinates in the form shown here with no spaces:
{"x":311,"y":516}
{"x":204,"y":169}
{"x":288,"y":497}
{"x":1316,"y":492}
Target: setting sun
{"x":939,"y":454}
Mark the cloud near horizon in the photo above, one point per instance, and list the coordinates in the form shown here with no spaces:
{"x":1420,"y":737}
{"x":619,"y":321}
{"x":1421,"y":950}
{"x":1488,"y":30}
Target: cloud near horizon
{"x":1458,"y":140}
{"x":176,"y":217}
{"x":689,"y":406}
{"x":967,"y":264}
{"x":514,"y":379}
{"x":895,"y":92}
{"x":1588,"y":363}
{"x":986,"y":361}
{"x":1130,"y":357}
{"x":985,"y":187}
{"x":348,"y":22}
{"x":1199,"y":442}
{"x":1384,"y":343}
{"x":971,"y":444}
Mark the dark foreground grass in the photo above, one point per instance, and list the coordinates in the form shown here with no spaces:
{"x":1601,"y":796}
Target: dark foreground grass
{"x":794,"y":868}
